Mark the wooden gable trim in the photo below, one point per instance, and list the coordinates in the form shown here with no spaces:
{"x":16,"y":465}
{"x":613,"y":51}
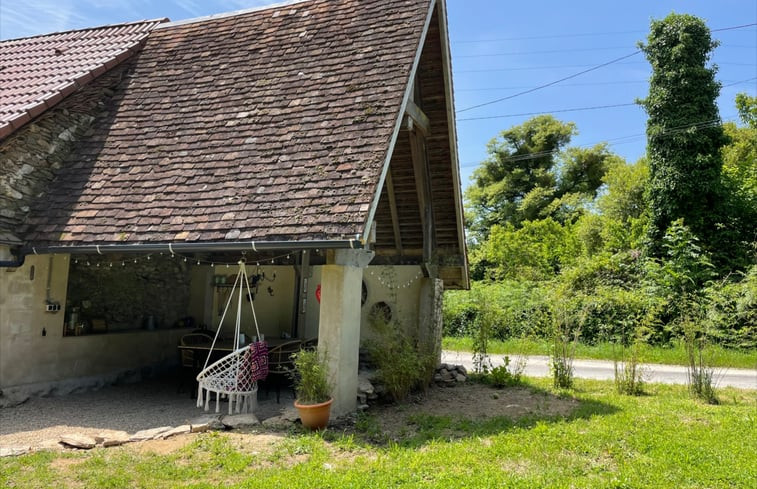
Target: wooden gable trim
{"x":398,"y":124}
{"x":447,"y":70}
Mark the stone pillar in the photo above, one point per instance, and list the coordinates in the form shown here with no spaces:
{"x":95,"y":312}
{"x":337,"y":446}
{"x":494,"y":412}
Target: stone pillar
{"x":430,"y":318}
{"x":339,"y":324}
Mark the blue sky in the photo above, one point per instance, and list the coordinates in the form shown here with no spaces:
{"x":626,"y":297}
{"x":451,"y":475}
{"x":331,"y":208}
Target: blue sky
{"x":500,"y":48}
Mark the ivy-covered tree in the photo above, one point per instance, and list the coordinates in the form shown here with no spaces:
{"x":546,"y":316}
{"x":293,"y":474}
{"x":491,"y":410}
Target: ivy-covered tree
{"x":684,"y":135}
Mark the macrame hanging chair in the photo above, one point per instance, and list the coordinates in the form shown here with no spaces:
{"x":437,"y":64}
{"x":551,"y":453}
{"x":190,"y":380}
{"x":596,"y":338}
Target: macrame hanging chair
{"x":235,"y":375}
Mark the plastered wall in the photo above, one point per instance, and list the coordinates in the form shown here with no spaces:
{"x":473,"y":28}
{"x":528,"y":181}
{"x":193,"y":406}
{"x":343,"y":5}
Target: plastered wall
{"x":28,"y":357}
{"x":401,"y":297}
{"x":274,"y":309}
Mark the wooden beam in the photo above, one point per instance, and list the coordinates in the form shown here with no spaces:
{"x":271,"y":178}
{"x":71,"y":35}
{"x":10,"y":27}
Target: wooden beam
{"x":417,"y":118}
{"x":393,"y":210}
{"x":423,"y":188}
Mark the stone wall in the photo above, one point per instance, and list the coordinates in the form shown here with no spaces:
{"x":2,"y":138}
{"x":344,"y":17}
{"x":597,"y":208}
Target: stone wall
{"x":124,"y":293}
{"x":37,"y":359}
{"x":30,"y":157}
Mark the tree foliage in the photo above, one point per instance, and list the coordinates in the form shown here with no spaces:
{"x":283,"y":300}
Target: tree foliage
{"x":684,"y":136}
{"x":527,"y":176}
{"x":559,"y":232}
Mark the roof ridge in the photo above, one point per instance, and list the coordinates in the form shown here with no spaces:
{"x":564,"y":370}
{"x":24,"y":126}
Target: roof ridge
{"x":106,"y":26}
{"x":233,"y":13}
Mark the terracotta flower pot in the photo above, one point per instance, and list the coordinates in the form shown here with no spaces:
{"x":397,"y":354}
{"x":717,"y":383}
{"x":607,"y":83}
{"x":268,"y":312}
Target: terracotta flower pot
{"x":314,"y":416}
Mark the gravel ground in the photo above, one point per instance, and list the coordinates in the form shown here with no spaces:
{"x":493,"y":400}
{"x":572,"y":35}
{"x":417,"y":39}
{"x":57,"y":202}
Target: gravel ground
{"x":39,"y":422}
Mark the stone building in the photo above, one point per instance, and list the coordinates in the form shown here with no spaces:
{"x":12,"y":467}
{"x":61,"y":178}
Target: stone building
{"x":140,"y":162}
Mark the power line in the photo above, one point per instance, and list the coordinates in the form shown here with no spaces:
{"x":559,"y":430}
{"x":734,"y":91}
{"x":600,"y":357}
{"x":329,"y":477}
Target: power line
{"x":620,"y":82}
{"x":557,"y":67}
{"x":548,"y":51}
{"x":665,"y":132}
{"x":734,"y":27}
{"x":577,"y":109}
{"x":617,"y":82}
{"x":586,"y":34}
{"x":554,"y":36}
{"x":574,"y":75}
{"x":574,"y":50}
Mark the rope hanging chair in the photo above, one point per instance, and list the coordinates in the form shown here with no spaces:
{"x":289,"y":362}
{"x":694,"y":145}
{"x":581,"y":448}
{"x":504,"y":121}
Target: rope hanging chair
{"x":236,"y":375}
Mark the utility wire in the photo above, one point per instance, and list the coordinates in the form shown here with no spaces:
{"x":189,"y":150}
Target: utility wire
{"x":574,"y":50}
{"x":620,"y":82}
{"x":557,"y":67}
{"x":574,"y":75}
{"x":586,"y":34}
{"x":577,"y":109}
{"x":666,"y":132}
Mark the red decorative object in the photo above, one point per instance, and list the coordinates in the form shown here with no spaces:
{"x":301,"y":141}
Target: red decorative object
{"x":318,"y":293}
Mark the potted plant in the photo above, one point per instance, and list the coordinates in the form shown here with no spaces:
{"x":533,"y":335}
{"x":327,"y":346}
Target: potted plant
{"x":311,"y":386}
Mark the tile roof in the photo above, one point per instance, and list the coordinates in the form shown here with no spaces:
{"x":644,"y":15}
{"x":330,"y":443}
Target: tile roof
{"x":38,"y":72}
{"x":267,"y":125}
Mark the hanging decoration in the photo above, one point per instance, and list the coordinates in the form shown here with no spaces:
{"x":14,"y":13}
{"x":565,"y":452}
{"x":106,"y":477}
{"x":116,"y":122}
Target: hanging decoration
{"x":389,"y":284}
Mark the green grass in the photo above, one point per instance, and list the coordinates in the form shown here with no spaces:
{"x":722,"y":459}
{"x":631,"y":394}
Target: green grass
{"x":661,"y":440}
{"x":673,"y":355}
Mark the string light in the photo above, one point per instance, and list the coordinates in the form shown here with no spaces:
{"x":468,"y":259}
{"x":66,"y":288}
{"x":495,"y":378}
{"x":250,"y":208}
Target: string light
{"x":389,"y":285}
{"x":186,"y":259}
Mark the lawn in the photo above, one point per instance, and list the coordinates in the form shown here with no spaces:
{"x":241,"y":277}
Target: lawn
{"x":671,"y":355}
{"x":662,"y":439}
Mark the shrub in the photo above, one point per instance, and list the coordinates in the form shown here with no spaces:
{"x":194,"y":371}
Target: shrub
{"x":310,"y":378}
{"x":518,"y":309}
{"x":565,"y":333}
{"x":400,"y":366}
{"x":700,"y":374}
{"x":508,"y":375}
{"x":629,"y":376}
{"x":732,"y":311}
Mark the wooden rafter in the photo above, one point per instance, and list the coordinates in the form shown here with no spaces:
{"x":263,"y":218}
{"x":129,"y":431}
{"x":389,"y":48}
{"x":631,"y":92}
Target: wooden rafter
{"x":393,"y":210}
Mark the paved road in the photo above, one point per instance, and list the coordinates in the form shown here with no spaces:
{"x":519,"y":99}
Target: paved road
{"x":538,"y":366}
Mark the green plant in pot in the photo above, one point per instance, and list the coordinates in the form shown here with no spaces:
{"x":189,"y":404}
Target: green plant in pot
{"x":311,"y":386}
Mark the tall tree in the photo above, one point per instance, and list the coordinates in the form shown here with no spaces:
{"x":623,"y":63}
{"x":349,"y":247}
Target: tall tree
{"x":684,"y":135}
{"x":527,"y":176}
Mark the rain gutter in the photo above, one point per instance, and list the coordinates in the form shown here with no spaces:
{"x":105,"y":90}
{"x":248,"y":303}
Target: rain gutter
{"x":184,"y":247}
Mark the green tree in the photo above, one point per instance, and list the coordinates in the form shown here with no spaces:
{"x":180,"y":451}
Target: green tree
{"x":747,"y":107}
{"x":623,"y":207}
{"x":536,"y":251}
{"x":684,"y":136}
{"x":528,"y":177}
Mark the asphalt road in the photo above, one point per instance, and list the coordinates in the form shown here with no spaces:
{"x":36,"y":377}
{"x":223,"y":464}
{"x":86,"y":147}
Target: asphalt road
{"x":538,"y":366}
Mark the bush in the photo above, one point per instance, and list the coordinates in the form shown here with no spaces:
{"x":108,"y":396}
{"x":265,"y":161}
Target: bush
{"x":629,"y":375}
{"x":400,"y":366}
{"x":508,"y":375}
{"x":732,"y":311}
{"x":518,"y":309}
{"x":310,"y":377}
